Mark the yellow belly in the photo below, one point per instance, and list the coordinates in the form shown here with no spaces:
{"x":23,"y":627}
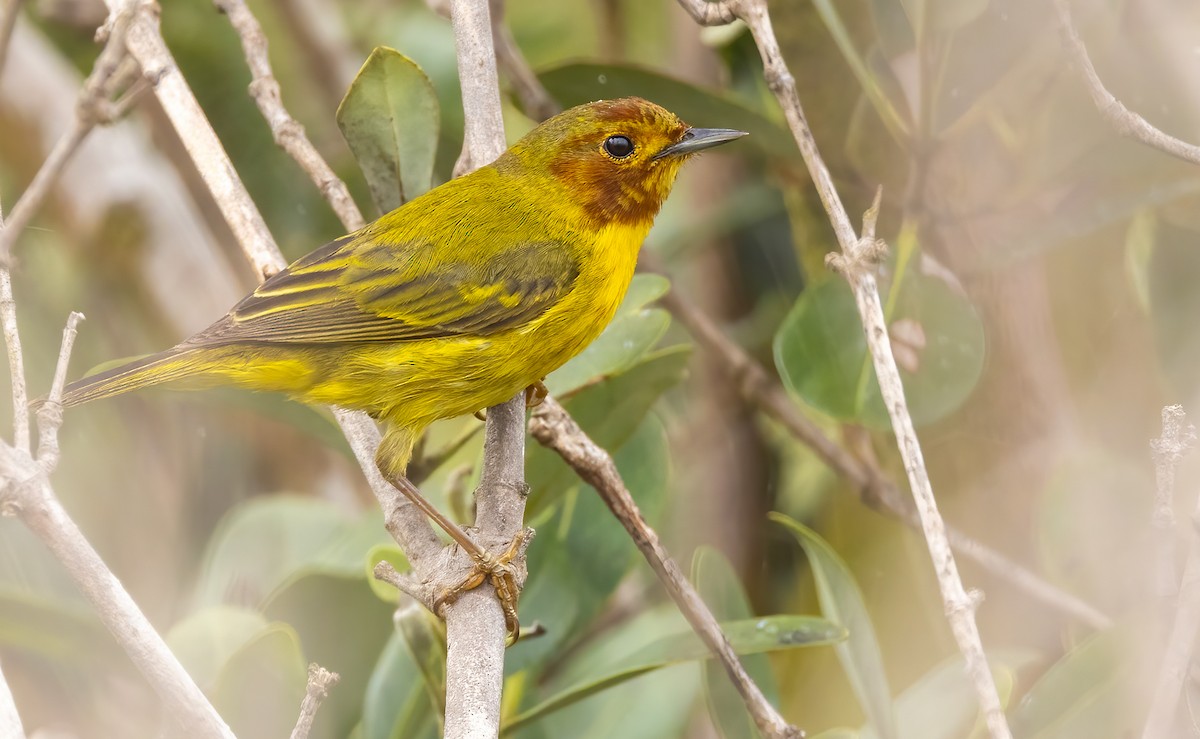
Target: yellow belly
{"x":415,"y":383}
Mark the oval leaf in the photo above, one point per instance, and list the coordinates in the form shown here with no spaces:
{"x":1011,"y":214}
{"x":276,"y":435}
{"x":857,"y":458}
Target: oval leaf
{"x":389,"y":118}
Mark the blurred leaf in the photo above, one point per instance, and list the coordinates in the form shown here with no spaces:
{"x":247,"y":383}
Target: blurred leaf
{"x":942,"y":704}
{"x":54,"y":628}
{"x":821,"y":352}
{"x":389,"y":118}
{"x":396,"y":706}
{"x":263,"y":542}
{"x":839,"y":733}
{"x":582,"y":552}
{"x":343,"y":627}
{"x":842,"y":602}
{"x":259,"y":690}
{"x":943,"y":15}
{"x":893,"y":111}
{"x":748,"y":636}
{"x":1077,"y":691}
{"x":390,"y":553}
{"x":580,"y":82}
{"x":207,"y":639}
{"x":1139,"y":248}
{"x":609,"y":412}
{"x":721,"y":590}
{"x":634,"y":330}
{"x":425,"y":638}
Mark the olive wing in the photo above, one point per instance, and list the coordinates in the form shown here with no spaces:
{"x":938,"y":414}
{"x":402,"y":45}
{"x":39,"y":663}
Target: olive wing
{"x":347,"y":292}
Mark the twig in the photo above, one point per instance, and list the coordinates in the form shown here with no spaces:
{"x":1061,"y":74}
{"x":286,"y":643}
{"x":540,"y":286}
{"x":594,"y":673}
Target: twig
{"x":8,"y":22}
{"x":856,"y":263}
{"x":1168,"y":449}
{"x":49,"y":415}
{"x":1178,"y":437}
{"x":92,"y":108}
{"x":288,"y":133}
{"x":16,"y":362}
{"x":320,"y":681}
{"x":27,"y":494}
{"x":555,"y":429}
{"x":10,"y":720}
{"x":762,"y":390}
{"x":1122,"y":119}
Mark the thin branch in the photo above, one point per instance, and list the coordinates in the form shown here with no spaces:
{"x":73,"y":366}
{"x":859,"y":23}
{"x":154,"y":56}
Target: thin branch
{"x":10,"y":720}
{"x":91,"y":109}
{"x":16,"y":362}
{"x":856,"y":262}
{"x":1178,"y":438}
{"x":320,"y":681}
{"x":27,"y":494}
{"x":1122,"y":119}
{"x":49,"y":415}
{"x":8,"y":22}
{"x":555,"y":429}
{"x":288,"y":133}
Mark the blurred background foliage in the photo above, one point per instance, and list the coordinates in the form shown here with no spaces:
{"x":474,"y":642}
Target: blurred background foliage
{"x":1040,"y":291}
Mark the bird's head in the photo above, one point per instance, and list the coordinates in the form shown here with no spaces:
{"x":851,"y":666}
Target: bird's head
{"x":616,"y":158}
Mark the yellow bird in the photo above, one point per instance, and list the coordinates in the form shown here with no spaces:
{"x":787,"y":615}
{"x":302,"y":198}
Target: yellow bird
{"x":458,"y":299}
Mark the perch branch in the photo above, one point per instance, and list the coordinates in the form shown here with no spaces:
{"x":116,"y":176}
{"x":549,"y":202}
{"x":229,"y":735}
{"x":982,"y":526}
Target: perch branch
{"x":1122,"y":119}
{"x":320,"y":681}
{"x":856,"y":262}
{"x":1178,"y":438}
{"x":16,"y":362}
{"x":555,"y":429}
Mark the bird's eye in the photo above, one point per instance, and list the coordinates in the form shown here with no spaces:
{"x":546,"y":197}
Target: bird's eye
{"x":618,"y":146}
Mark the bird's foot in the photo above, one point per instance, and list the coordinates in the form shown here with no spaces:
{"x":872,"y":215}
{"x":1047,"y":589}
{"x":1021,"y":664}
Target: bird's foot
{"x":535,"y":394}
{"x":500,"y":569}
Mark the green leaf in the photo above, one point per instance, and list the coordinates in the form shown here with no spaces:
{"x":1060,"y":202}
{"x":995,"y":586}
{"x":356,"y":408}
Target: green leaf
{"x":634,"y":331}
{"x":207,"y":639}
{"x":747,"y":636}
{"x":821,"y":352}
{"x":395,"y":705}
{"x":389,"y":553}
{"x":425,"y":638}
{"x":389,"y":118}
{"x":343,"y":627}
{"x":721,"y":590}
{"x":58,"y":628}
{"x":582,"y":552}
{"x":609,"y":411}
{"x":1077,"y":691}
{"x":259,"y":690}
{"x":263,"y":542}
{"x":842,"y":602}
{"x":943,"y":703}
{"x":578,"y":82}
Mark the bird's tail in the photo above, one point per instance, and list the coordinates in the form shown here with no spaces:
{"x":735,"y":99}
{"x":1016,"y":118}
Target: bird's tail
{"x":153,"y":369}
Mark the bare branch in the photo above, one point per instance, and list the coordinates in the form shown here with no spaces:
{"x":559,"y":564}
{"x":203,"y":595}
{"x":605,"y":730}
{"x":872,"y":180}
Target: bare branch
{"x":857,"y":262}
{"x":1122,"y":119}
{"x":710,"y":13}
{"x":92,"y":108}
{"x":49,"y":415}
{"x":288,"y":133}
{"x":16,"y":361}
{"x":555,"y":429}
{"x":1178,"y":438}
{"x":320,"y":681}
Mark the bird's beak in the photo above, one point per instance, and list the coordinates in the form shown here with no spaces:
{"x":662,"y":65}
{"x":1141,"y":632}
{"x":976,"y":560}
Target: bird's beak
{"x":698,"y":139}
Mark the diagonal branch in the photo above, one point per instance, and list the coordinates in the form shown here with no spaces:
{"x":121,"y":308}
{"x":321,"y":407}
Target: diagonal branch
{"x":1122,"y":119}
{"x":856,"y":262}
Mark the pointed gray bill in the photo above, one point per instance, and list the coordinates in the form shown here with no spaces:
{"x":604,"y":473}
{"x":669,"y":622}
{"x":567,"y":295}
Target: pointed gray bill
{"x":698,"y":139}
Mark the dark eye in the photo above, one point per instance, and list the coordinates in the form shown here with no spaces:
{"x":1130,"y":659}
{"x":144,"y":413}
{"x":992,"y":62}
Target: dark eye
{"x":618,"y":146}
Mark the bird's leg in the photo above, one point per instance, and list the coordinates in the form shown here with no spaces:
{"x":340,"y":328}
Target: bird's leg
{"x":498,"y":569}
{"x":536,"y":393}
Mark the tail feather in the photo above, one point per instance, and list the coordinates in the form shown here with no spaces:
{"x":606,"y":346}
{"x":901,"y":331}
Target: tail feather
{"x":154,"y":369}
